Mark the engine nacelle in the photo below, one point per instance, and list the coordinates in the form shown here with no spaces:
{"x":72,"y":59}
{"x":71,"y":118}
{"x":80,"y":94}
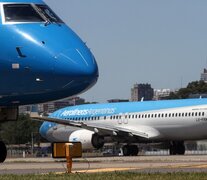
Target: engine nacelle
{"x":84,"y":136}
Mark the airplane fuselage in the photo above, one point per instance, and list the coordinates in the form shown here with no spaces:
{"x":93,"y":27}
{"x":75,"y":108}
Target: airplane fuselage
{"x":139,"y":122}
{"x":41,"y":59}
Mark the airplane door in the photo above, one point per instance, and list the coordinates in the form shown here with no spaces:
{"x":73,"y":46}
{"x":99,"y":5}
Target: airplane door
{"x":120,"y":119}
{"x":125,"y":119}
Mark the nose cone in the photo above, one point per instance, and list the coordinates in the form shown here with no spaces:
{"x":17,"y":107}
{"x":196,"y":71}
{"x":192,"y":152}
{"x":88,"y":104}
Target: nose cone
{"x":78,"y":66}
{"x":44,"y":129}
{"x":80,"y":62}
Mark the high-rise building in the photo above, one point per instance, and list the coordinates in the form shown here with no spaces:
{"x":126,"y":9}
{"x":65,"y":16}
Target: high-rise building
{"x":204,"y":75}
{"x":142,"y":91}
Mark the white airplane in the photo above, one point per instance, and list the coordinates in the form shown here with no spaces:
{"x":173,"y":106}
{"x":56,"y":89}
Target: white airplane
{"x":169,"y":121}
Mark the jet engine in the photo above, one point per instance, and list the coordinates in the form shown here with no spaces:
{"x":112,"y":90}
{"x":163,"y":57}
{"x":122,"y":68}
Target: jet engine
{"x":87,"y":138}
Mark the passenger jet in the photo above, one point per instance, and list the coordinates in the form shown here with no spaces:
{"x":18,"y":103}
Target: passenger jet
{"x":170,"y":122}
{"x":41,"y":58}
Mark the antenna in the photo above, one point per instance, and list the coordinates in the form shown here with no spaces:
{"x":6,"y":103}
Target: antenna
{"x":181,"y":82}
{"x":206,"y":61}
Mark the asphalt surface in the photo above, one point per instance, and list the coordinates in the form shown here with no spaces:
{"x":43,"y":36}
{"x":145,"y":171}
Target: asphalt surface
{"x":147,"y":164}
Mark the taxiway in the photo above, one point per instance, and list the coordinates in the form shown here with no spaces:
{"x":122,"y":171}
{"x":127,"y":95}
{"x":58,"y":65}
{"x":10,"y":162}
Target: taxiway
{"x":148,"y":164}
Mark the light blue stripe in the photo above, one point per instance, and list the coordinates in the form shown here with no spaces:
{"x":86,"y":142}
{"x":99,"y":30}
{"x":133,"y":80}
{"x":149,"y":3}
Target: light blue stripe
{"x":131,"y":107}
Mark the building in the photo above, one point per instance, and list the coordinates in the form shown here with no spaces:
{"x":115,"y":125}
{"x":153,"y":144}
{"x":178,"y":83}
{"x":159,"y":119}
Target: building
{"x":204,"y":75}
{"x":53,"y":106}
{"x":142,"y":91}
{"x":50,"y":107}
{"x":161,"y":93}
{"x":117,"y":100}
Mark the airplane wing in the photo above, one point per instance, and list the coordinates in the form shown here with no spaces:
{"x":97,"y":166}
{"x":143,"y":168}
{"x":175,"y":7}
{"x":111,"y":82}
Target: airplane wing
{"x":103,"y":129}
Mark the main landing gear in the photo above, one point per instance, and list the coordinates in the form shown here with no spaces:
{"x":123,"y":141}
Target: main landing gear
{"x":3,"y":152}
{"x":177,"y":148}
{"x":130,"y":150}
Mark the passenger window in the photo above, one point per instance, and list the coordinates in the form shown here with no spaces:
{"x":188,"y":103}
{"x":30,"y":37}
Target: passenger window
{"x":203,"y":113}
{"x":165,"y":115}
{"x":145,"y":115}
{"x":148,"y":115}
{"x":155,"y":115}
{"x":199,"y":113}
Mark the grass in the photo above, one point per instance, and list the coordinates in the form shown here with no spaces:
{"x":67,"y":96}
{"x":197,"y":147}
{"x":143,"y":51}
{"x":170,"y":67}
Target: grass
{"x":111,"y":176}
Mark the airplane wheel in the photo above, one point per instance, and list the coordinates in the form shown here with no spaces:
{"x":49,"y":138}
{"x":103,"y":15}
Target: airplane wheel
{"x":181,"y":148}
{"x":3,"y":152}
{"x":172,"y":150}
{"x":134,"y":150}
{"x":126,"y":150}
{"x":130,"y":150}
{"x":177,"y":148}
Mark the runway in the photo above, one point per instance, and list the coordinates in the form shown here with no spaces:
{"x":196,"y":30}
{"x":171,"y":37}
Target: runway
{"x":146,"y":164}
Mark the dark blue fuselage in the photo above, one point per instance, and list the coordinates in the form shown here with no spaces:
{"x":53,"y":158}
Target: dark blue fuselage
{"x":42,"y":61}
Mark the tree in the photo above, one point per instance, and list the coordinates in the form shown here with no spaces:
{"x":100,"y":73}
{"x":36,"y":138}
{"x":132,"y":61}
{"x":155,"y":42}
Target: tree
{"x":195,"y":87}
{"x":19,"y":132}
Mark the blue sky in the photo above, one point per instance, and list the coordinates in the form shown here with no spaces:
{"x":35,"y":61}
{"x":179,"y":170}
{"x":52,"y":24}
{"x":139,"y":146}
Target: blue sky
{"x":161,"y":42}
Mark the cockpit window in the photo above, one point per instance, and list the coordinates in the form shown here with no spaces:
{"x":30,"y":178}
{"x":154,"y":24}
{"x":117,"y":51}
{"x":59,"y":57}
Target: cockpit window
{"x":21,"y":13}
{"x":48,"y":13}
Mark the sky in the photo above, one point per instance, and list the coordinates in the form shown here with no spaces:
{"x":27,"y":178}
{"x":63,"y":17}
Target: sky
{"x":161,"y":42}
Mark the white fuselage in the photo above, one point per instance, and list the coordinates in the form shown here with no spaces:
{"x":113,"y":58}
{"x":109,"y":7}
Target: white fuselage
{"x":183,"y":123}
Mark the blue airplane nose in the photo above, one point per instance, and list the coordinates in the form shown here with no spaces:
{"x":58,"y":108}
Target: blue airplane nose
{"x":77,"y":62}
{"x":43,"y":129}
{"x":76,"y":69}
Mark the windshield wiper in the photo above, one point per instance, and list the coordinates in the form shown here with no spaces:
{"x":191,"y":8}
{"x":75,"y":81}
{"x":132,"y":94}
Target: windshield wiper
{"x":47,"y":22}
